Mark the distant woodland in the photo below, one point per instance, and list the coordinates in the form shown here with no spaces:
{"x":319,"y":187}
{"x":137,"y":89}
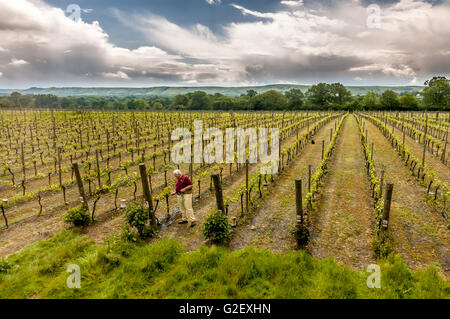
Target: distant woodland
{"x":323,"y":96}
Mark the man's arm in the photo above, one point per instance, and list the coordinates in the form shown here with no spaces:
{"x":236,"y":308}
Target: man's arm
{"x":187,"y":181}
{"x":186,"y":188}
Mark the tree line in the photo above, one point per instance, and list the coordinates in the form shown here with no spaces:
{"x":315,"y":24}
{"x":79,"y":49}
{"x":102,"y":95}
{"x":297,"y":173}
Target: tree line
{"x":322,"y":96}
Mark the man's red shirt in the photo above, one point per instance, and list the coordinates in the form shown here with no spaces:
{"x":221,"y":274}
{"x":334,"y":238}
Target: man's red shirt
{"x":182,"y":182}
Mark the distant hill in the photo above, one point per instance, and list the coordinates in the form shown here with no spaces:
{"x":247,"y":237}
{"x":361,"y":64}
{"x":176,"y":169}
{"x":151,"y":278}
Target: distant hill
{"x":166,"y":91}
{"x":6,"y":91}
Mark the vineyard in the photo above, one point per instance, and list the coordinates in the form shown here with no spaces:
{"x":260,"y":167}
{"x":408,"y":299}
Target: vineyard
{"x":357,"y":187}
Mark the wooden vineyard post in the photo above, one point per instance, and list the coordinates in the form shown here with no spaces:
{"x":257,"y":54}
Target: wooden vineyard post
{"x":168,"y":146}
{"x":107,"y":141}
{"x":309,"y":178}
{"x":280,"y":161}
{"x":387,"y":206}
{"x":424,"y":141}
{"x":323,"y":148}
{"x":403,"y":142}
{"x":371,"y":152}
{"x":40,"y":203}
{"x":4,"y":202}
{"x":54,"y":131}
{"x":191,"y":161}
{"x":331,"y":133}
{"x":246,"y":186}
{"x":23,"y":163}
{"x":218,"y":191}
{"x":59,"y":167}
{"x":381,"y":182}
{"x":301,"y":229}
{"x":80,"y":184}
{"x":259,"y":185}
{"x":98,"y":170}
{"x":444,"y":152}
{"x":298,"y":202}
{"x":147,"y":194}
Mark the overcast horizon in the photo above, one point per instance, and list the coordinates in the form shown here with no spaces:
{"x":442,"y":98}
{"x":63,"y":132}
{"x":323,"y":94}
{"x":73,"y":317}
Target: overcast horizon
{"x":222,"y":43}
{"x":196,"y":86}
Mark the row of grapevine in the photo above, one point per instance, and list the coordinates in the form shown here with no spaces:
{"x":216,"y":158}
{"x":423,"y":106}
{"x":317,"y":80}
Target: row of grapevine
{"x":441,"y":189}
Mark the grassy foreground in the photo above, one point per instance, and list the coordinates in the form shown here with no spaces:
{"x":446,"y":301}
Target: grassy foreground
{"x":164,"y":270}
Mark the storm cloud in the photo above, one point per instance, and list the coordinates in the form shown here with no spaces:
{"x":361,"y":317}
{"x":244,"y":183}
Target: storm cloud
{"x":297,"y":43}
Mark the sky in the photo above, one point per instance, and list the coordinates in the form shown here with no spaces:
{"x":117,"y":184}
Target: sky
{"x":221,"y":42}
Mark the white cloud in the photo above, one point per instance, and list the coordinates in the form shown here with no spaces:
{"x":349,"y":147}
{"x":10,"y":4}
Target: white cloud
{"x":400,"y":70}
{"x":213,"y":1}
{"x":413,"y":81}
{"x":297,"y":3}
{"x":117,"y":75}
{"x":127,"y":68}
{"x":246,"y":11}
{"x":18,"y":62}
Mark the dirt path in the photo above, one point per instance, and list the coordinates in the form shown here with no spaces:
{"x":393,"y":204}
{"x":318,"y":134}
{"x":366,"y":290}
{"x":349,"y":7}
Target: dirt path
{"x":272,"y":225}
{"x":420,"y":235}
{"x":344,"y":219}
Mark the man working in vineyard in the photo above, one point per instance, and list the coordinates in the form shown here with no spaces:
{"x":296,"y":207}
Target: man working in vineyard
{"x":183,"y":190}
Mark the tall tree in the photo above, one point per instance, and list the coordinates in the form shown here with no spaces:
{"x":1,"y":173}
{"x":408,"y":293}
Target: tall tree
{"x":15,"y":98}
{"x":339,"y":94}
{"x":270,"y":100}
{"x":180,"y":101}
{"x":370,"y":101}
{"x":389,"y":100}
{"x":199,"y":100}
{"x":137,"y":104}
{"x":437,"y":92}
{"x":408,"y":102}
{"x":319,"y":94}
{"x":222,"y":102}
{"x":295,"y":98}
{"x":251,"y":93}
